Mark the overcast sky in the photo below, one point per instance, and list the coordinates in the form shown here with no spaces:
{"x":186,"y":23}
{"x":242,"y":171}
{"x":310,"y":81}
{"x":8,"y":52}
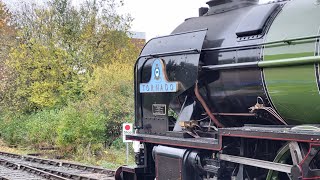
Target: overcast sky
{"x":160,"y":17}
{"x":154,"y":17}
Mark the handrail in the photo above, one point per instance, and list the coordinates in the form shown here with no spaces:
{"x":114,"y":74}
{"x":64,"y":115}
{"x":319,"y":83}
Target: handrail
{"x":266,"y":64}
{"x":172,"y":53}
{"x":243,"y":47}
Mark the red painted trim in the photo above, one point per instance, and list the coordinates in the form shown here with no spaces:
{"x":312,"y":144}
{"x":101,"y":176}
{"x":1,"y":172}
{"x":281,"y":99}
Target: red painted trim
{"x":312,"y":143}
{"x":304,"y":159}
{"x":173,"y":144}
{"x":270,"y":138}
{"x":301,"y":163}
{"x":318,"y":177}
{"x":231,"y":135}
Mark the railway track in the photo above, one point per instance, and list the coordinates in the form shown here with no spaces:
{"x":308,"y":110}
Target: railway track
{"x":16,"y":167}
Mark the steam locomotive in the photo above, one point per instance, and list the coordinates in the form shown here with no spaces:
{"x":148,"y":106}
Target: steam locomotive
{"x":231,"y":94}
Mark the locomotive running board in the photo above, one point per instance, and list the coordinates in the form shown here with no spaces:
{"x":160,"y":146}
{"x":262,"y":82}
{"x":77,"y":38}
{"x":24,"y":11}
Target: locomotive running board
{"x":278,"y":133}
{"x":199,"y":143}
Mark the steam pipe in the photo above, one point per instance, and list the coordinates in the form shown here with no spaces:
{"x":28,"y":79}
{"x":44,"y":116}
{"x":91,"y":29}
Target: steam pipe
{"x":205,"y":106}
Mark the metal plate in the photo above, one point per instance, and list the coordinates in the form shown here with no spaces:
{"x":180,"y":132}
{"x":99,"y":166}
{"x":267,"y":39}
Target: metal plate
{"x":155,"y":125}
{"x":159,"y":109}
{"x":175,"y":42}
{"x":168,"y":168}
{"x":159,"y":82}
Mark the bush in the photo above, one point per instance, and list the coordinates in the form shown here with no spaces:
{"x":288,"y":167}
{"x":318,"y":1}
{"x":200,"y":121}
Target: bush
{"x":13,"y":129}
{"x":41,"y":128}
{"x":115,"y":158}
{"x":118,"y":144}
{"x":110,"y":91}
{"x":68,"y":78}
{"x":70,"y":129}
{"x":80,"y":129}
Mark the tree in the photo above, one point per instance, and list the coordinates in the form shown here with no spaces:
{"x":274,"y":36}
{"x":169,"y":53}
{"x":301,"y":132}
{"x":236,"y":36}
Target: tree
{"x":110,"y":91}
{"x":7,"y":31}
{"x":59,"y":46}
{"x":7,"y":41}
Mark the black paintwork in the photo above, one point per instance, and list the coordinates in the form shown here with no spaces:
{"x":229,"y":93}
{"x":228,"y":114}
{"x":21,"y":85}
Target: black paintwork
{"x":227,"y":90}
{"x":200,"y":143}
{"x":304,"y":169}
{"x":230,"y":90}
{"x":175,"y":42}
{"x":179,"y":67}
{"x":230,"y":79}
{"x":222,"y":6}
{"x":255,"y":21}
{"x":176,"y":163}
{"x":226,"y":69}
{"x":280,"y":133}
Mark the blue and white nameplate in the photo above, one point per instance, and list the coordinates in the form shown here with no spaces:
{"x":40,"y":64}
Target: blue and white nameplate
{"x":159,"y":82}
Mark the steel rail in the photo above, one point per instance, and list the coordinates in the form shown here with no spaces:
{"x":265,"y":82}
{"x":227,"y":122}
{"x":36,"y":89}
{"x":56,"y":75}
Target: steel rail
{"x":88,"y":168}
{"x":3,"y":178}
{"x":60,"y":168}
{"x":94,"y":169}
{"x":7,"y":173}
{"x":32,"y":170}
{"x":65,"y":174}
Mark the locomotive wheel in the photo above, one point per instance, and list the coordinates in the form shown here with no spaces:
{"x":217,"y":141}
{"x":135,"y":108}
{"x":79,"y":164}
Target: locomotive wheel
{"x":283,"y":157}
{"x":290,"y":153}
{"x":119,"y":174}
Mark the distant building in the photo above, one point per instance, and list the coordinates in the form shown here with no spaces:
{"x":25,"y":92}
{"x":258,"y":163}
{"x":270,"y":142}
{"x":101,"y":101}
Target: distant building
{"x":138,"y":38}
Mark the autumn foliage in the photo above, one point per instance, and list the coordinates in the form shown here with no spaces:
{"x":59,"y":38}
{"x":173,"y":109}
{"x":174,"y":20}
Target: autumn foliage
{"x":69,"y":75}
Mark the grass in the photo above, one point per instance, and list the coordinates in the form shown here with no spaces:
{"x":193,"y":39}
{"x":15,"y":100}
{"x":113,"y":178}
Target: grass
{"x":111,"y":158}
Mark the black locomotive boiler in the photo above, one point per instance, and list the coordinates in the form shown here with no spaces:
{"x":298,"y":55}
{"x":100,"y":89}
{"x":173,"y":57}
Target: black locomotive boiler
{"x":231,"y":94}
